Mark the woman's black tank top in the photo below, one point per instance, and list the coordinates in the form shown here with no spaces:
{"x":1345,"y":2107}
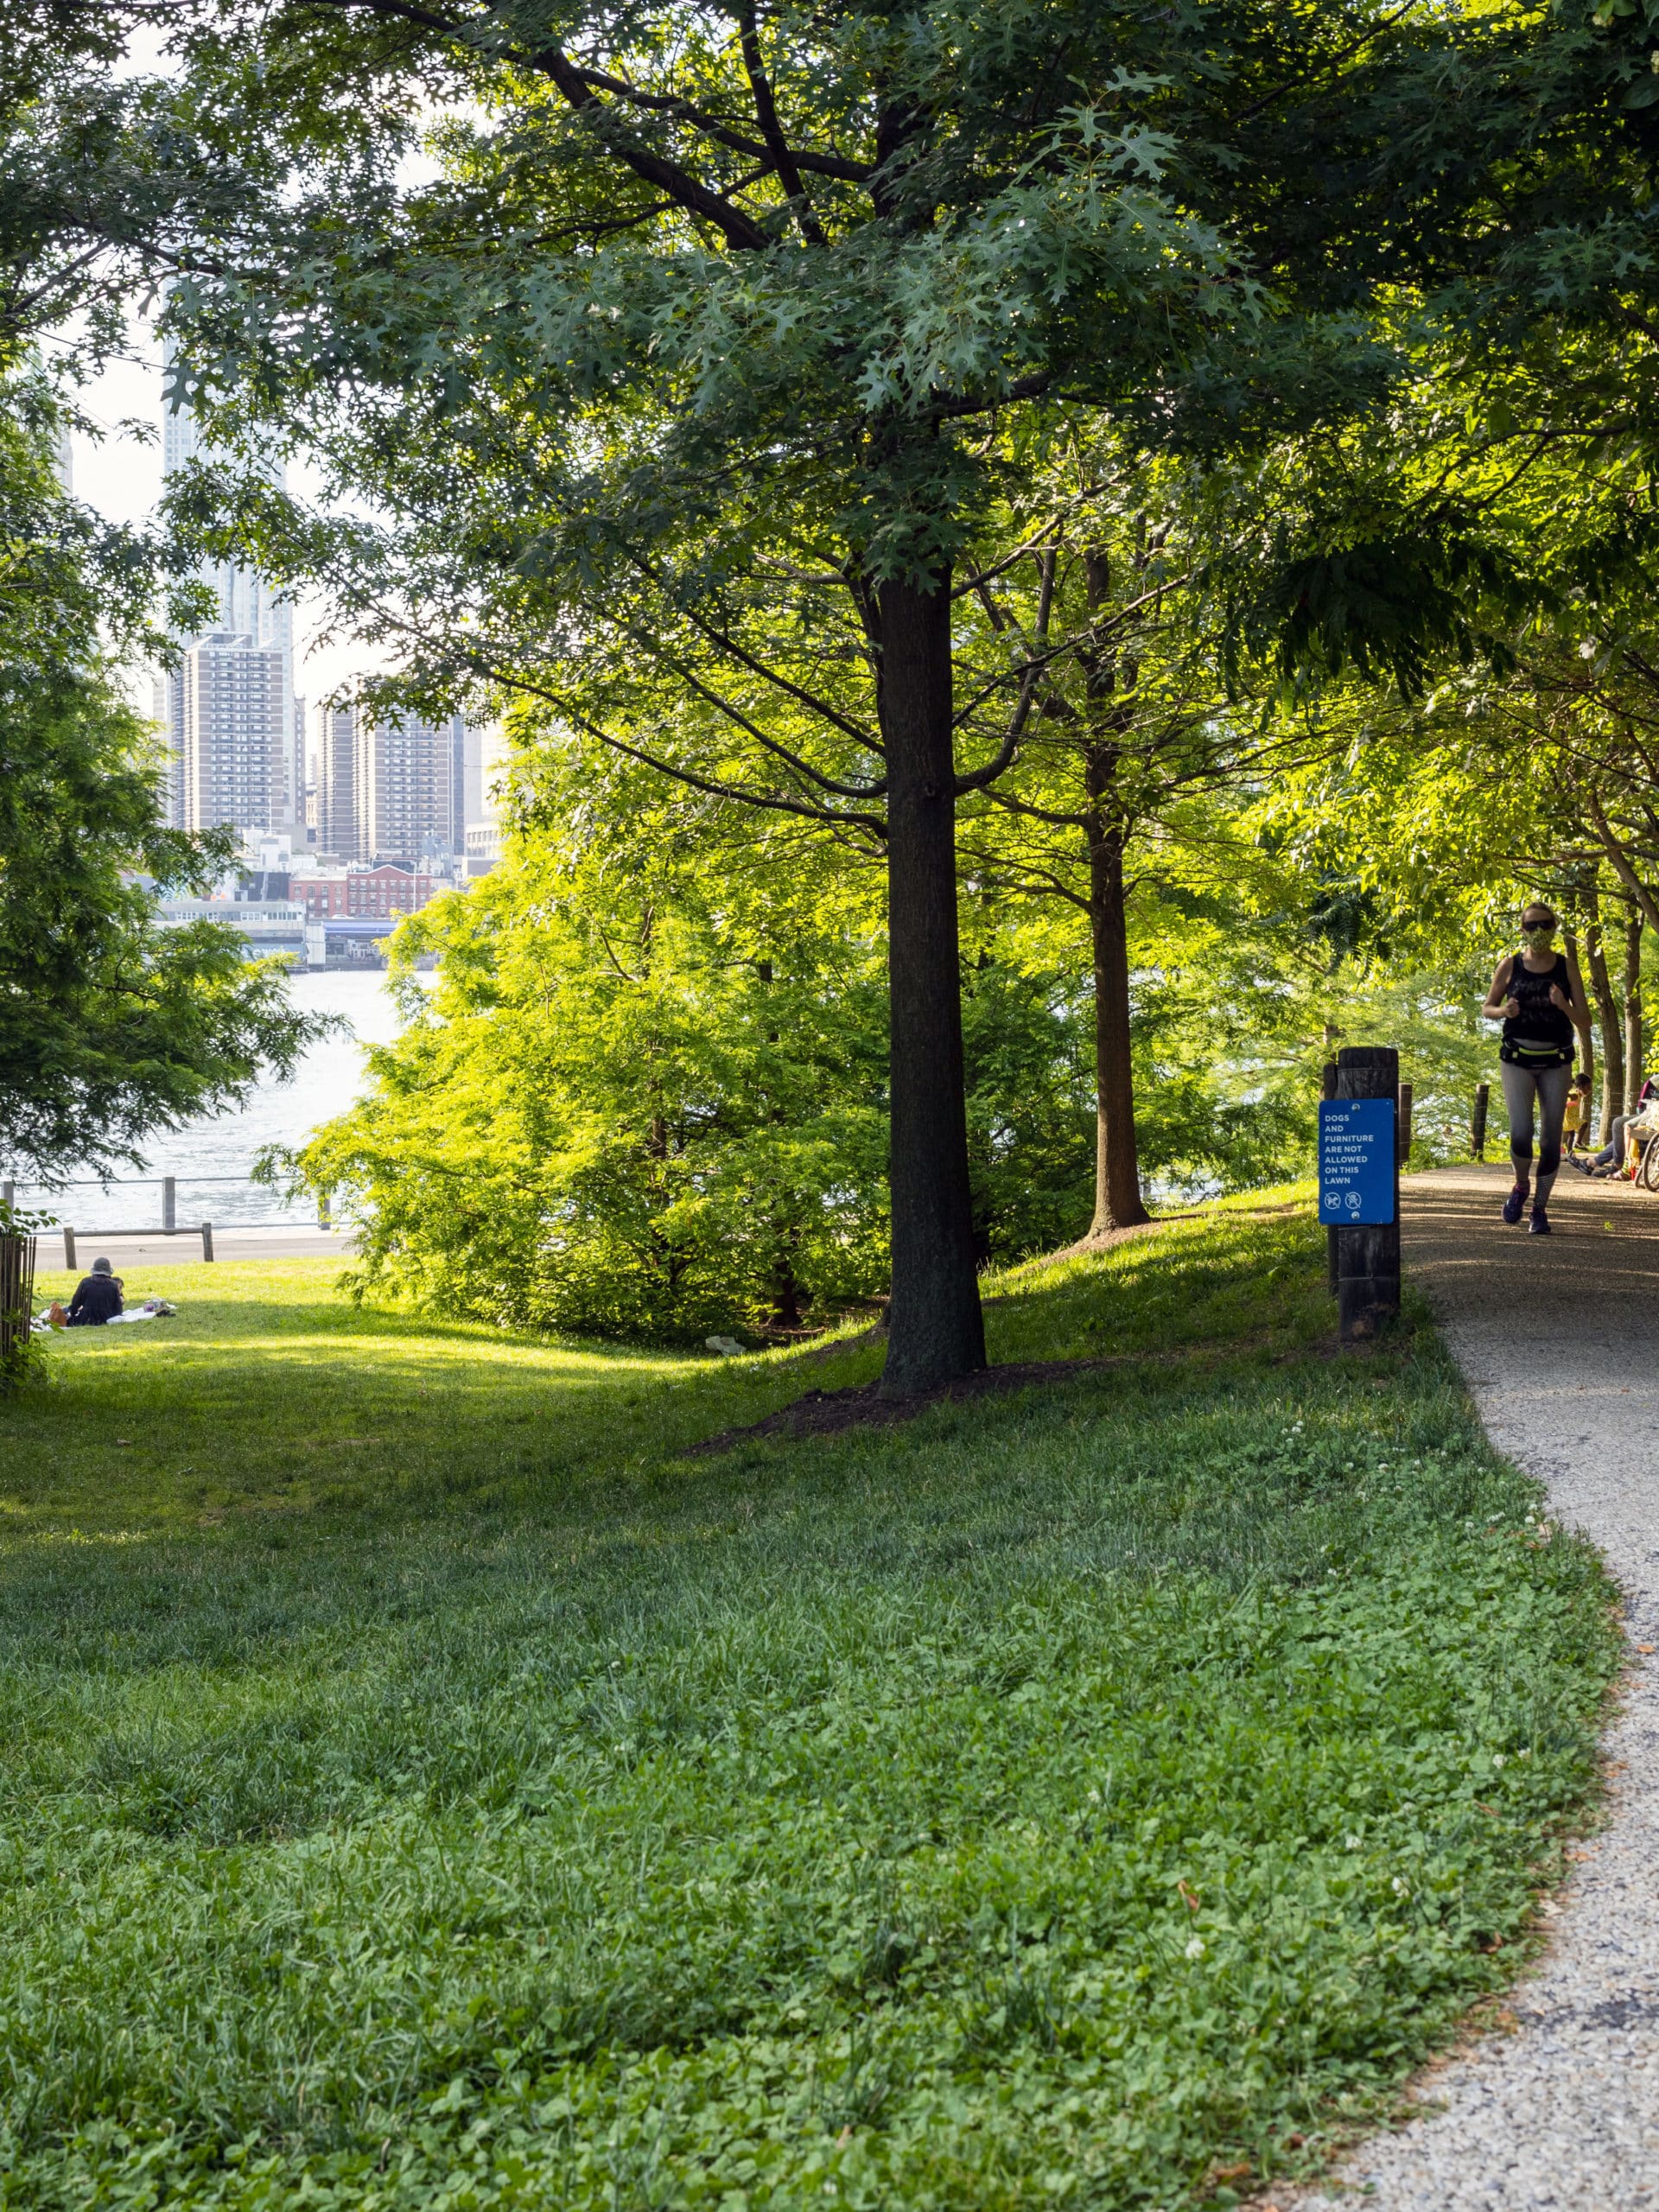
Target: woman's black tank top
{"x":1541,"y":1035}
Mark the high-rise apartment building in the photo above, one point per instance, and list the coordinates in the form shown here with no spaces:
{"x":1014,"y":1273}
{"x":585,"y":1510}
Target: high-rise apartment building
{"x":333,"y":776}
{"x":410,"y":787}
{"x":457,"y":830}
{"x":252,"y":613}
{"x":231,"y":695}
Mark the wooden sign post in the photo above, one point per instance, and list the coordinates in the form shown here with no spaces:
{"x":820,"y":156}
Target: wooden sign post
{"x":1328,"y":1091}
{"x":1360,"y":1187}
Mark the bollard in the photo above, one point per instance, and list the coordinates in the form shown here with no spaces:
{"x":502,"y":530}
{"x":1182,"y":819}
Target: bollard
{"x":69,"y":1248}
{"x":1403,"y":1123}
{"x":169,"y":1206}
{"x":1328,"y":1090}
{"x":1478,"y":1128}
{"x":1367,"y":1258}
{"x":206,"y":1240}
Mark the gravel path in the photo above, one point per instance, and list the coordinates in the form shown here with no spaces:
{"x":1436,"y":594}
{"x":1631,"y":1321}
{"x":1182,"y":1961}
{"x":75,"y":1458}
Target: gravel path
{"x":1557,"y":1340}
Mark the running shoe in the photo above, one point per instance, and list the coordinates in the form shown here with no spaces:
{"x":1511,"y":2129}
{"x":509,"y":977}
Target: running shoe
{"x":1512,"y":1206}
{"x":1538,"y":1224}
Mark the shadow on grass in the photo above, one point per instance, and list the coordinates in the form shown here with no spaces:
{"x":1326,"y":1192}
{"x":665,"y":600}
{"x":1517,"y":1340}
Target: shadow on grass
{"x":269,"y":1393}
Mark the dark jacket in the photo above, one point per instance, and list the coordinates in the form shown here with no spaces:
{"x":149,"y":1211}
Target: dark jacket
{"x":96,"y":1300}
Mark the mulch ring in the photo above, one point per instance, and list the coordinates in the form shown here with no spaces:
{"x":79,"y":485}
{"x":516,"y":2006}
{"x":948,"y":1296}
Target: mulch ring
{"x":830,"y":1413}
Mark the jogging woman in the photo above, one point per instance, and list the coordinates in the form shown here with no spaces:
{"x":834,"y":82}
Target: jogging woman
{"x":1533,"y":997}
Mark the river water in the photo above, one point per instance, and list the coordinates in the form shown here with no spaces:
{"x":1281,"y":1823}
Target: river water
{"x":210,"y":1158}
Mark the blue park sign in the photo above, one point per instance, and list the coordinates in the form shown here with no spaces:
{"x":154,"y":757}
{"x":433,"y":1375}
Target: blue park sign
{"x":1356,"y":1161}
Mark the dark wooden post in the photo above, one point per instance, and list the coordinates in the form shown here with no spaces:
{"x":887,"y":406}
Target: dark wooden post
{"x":1328,"y":1091}
{"x":1367,"y":1258}
{"x":169,"y":1204}
{"x":1404,"y":1124}
{"x":68,"y":1248}
{"x":1478,"y":1128}
{"x":206,"y":1240}
{"x":16,"y":1297}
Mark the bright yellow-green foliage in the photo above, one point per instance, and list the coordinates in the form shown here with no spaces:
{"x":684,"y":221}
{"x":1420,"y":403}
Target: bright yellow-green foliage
{"x":1074,"y":1796}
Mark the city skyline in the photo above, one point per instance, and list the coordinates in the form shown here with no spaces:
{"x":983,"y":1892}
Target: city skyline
{"x":234,"y":730}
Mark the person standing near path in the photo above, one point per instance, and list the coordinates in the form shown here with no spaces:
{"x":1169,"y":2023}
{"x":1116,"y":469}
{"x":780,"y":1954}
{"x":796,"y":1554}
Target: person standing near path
{"x":1535,"y":997}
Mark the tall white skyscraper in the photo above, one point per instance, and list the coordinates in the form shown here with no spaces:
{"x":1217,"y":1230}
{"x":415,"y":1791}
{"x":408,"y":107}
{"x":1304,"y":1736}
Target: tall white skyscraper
{"x":253,"y":616}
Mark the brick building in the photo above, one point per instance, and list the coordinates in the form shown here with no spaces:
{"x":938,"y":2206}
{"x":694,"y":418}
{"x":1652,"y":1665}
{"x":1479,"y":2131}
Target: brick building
{"x":365,"y":894}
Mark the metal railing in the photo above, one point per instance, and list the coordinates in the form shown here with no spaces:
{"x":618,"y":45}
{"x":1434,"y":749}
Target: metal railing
{"x":168,"y":1224}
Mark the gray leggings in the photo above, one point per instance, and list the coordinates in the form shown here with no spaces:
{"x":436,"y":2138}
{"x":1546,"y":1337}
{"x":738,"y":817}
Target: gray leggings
{"x":1549,"y":1087}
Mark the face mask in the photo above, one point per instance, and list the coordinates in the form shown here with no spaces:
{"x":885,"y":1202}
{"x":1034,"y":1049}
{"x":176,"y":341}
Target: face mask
{"x":1539,"y":937}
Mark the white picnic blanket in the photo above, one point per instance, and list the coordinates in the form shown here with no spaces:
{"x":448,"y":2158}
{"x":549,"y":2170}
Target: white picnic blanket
{"x":153,"y":1309}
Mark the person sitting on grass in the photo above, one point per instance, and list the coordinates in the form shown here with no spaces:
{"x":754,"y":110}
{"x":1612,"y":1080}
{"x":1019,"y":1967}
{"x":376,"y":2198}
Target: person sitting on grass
{"x":98,"y":1298}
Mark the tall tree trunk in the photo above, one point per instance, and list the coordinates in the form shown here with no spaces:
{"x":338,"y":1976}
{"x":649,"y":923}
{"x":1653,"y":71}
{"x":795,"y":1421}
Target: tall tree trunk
{"x":1118,"y":1202}
{"x":1607,"y":1017}
{"x":1633,"y":1012}
{"x":935,"y":1328}
{"x":1117,"y":1169}
{"x":1575,"y":969}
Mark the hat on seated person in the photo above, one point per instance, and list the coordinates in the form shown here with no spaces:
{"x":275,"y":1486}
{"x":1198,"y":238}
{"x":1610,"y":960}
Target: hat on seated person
{"x":102,"y":1268}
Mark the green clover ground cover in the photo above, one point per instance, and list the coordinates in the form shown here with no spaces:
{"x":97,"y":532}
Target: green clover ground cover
{"x":1076,"y":1796}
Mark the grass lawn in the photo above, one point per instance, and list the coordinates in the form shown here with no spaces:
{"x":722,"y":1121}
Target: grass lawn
{"x":423,"y":1788}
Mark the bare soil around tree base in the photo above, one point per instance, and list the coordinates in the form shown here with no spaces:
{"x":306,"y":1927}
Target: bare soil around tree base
{"x":831,"y":1412}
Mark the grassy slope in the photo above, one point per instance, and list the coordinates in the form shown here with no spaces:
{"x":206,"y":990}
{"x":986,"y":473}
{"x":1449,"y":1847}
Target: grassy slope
{"x":1072,"y":1797}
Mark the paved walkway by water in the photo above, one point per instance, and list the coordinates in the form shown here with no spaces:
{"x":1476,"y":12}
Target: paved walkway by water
{"x":1558,"y":1339}
{"x":153,"y":1250}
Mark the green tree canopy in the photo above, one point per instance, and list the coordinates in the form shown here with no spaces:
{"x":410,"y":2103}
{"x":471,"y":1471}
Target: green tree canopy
{"x":721,"y":345}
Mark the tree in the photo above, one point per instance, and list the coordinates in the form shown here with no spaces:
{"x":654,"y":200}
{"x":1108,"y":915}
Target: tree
{"x":646,"y":1095}
{"x":1134,"y":733}
{"x":722,"y":338}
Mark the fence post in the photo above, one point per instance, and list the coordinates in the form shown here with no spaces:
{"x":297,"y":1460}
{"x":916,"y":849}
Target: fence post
{"x":206,"y":1240}
{"x":1478,"y":1128}
{"x":169,"y":1206}
{"x":1367,"y":1256}
{"x":1328,"y":1090}
{"x":68,"y":1248}
{"x":1404,"y":1123}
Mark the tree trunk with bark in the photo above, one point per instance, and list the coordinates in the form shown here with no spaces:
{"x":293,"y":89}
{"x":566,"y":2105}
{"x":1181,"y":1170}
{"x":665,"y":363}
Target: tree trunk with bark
{"x":935,"y":1329}
{"x":1118,"y":1202}
{"x":1575,"y":969}
{"x":1608,"y":1019}
{"x":1632,"y":1013}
